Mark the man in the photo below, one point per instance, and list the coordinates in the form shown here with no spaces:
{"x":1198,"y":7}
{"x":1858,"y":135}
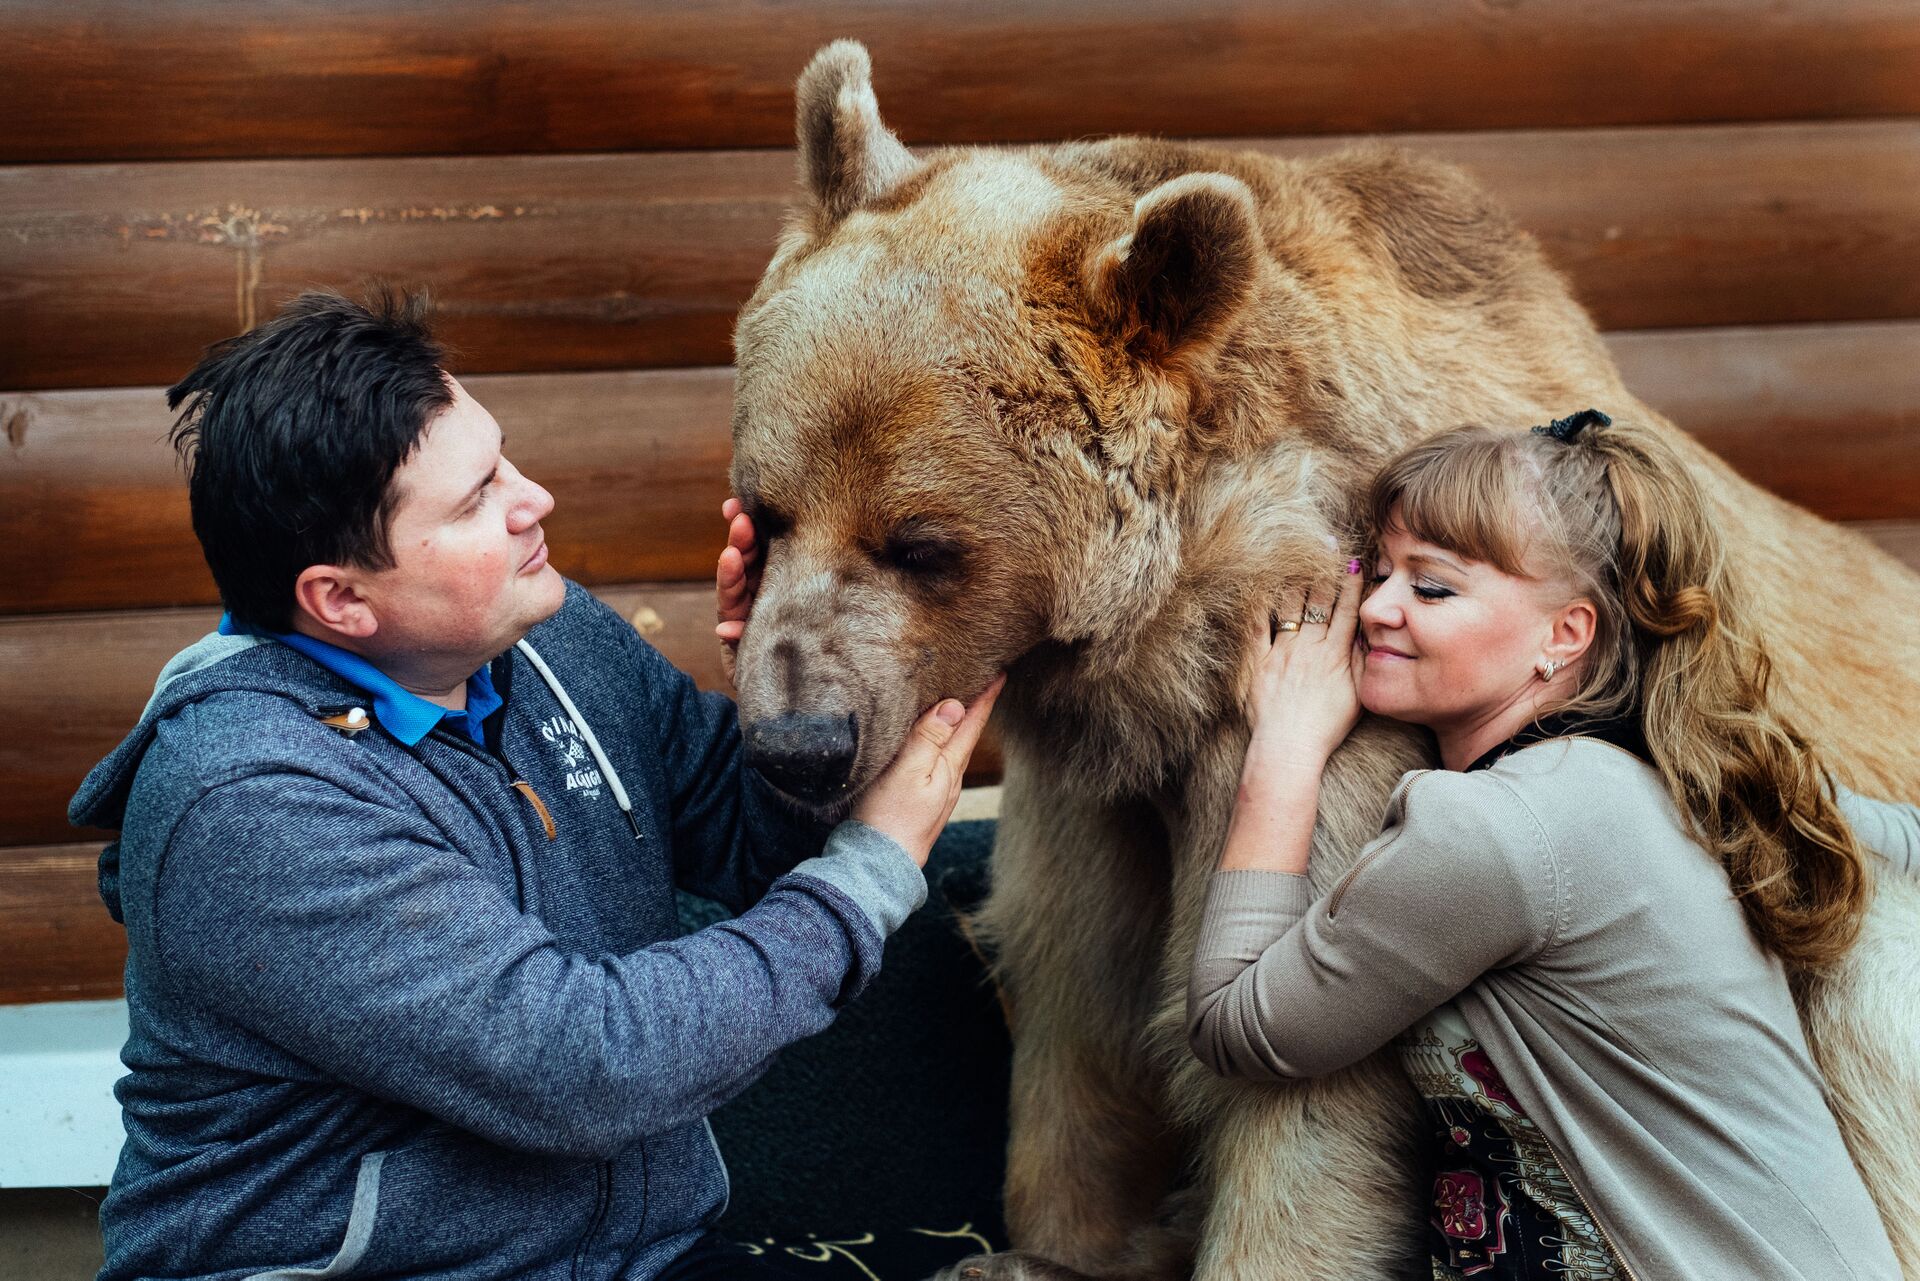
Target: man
{"x":398,"y":854}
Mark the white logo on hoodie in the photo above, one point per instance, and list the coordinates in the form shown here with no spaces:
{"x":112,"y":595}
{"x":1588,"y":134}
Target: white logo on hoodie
{"x":581,"y":773}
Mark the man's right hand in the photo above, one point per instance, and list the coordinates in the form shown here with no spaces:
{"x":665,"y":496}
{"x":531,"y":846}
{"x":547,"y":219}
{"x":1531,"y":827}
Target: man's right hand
{"x":913,"y":799}
{"x":735,"y":581}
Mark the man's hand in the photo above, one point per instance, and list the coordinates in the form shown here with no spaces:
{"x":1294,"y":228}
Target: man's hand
{"x":735,"y":582}
{"x":913,"y":799}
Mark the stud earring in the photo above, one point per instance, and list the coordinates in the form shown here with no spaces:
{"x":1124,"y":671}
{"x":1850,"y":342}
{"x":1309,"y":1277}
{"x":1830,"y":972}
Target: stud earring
{"x":1547,"y":668}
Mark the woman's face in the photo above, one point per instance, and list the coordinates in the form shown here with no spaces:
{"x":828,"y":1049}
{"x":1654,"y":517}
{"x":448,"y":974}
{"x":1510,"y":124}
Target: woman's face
{"x":1454,"y":644}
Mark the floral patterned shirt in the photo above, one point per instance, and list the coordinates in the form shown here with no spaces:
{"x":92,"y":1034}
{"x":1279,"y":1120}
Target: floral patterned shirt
{"x":1502,"y":1207}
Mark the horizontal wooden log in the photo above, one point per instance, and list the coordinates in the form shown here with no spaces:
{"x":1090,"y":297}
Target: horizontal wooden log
{"x":1827,"y":416}
{"x":57,"y":942}
{"x":637,"y":463}
{"x":92,"y":499}
{"x":537,"y":263}
{"x":1900,"y":539}
{"x":117,"y":79}
{"x":74,"y":684}
{"x":120,"y":275}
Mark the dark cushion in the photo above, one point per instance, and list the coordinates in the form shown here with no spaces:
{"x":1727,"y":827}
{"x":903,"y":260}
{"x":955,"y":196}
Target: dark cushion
{"x":877,"y":1148}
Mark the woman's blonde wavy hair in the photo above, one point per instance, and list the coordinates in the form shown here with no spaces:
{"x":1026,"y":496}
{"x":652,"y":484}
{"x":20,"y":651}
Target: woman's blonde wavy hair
{"x":1616,"y":514}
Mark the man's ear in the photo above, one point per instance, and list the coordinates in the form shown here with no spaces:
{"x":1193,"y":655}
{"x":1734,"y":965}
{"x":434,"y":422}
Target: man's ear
{"x":1171,"y":287}
{"x":327,"y":604}
{"x":847,"y":156}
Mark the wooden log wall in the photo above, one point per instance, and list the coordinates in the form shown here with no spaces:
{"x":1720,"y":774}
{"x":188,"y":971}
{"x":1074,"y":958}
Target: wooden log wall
{"x":590,"y":189}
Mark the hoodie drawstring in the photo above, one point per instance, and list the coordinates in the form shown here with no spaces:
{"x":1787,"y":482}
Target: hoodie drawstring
{"x":586,"y":732}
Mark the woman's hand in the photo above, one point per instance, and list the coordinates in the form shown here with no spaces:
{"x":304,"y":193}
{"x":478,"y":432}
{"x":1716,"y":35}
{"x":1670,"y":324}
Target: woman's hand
{"x":1302,"y":697}
{"x":735,"y":582}
{"x":912,"y":800}
{"x":1302,"y":700}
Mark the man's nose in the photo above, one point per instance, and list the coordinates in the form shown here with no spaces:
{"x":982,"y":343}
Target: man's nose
{"x":532,"y":505}
{"x":804,"y":755}
{"x":542,"y":501}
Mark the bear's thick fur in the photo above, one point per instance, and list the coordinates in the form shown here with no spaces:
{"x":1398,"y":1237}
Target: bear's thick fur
{"x":1073,"y":411}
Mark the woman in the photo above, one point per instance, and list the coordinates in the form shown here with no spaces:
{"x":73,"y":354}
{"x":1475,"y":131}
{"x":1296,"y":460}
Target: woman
{"x":1614,"y":1075}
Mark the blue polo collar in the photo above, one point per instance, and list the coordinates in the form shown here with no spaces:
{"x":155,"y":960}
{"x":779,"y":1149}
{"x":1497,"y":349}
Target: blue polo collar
{"x":401,"y":712}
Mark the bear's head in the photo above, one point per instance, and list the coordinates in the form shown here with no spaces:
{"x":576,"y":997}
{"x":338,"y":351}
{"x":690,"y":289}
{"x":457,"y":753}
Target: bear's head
{"x":965,"y":411}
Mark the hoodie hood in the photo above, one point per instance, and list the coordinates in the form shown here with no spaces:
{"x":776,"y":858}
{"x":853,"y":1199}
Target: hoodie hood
{"x":214,"y":664}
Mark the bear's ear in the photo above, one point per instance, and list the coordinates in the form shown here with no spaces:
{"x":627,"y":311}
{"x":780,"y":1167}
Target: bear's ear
{"x":847,"y":156}
{"x":1172,"y":286}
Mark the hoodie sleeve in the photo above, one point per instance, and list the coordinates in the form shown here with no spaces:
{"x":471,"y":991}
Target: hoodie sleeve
{"x":387,"y":960}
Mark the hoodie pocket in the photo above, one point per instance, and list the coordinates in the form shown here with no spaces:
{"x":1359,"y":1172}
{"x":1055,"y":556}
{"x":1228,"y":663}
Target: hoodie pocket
{"x":360,"y":1220}
{"x":726,"y":1178}
{"x":453,"y":1204}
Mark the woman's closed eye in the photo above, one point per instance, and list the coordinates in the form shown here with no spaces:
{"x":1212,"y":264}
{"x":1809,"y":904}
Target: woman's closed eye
{"x":1425,"y":588}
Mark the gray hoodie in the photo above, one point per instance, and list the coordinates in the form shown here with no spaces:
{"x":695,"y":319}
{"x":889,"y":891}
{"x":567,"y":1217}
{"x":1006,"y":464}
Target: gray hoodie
{"x":425,"y":1011}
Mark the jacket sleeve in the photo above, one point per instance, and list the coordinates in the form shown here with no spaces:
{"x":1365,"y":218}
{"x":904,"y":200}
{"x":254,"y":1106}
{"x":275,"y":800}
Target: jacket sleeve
{"x":1286,"y":984}
{"x":1888,"y":828}
{"x":732,"y":833}
{"x":349,"y":934}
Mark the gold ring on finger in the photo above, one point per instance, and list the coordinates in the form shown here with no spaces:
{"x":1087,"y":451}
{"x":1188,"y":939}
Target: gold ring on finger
{"x":1288,"y":625}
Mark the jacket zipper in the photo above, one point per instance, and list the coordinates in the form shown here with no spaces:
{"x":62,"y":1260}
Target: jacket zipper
{"x":726,"y":1177}
{"x":603,"y":1189}
{"x":503,"y":769}
{"x":603,"y":1174}
{"x":1340,"y":890}
{"x":1566,"y":1172}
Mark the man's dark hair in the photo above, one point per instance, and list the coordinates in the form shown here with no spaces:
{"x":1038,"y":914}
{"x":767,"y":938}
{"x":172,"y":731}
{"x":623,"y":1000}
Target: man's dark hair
{"x":291,"y":435}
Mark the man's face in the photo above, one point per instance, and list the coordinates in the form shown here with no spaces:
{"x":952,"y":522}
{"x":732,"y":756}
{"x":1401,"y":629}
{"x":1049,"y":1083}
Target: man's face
{"x":470,"y":572}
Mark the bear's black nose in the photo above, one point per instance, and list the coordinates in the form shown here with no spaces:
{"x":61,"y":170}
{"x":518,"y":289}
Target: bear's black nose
{"x":805,"y":756}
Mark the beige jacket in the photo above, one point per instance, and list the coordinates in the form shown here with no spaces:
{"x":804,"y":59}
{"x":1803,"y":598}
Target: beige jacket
{"x":1603,"y":964}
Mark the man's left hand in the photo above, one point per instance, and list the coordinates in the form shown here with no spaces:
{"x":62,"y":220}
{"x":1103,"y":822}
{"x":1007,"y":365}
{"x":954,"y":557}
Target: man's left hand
{"x":735,"y":582}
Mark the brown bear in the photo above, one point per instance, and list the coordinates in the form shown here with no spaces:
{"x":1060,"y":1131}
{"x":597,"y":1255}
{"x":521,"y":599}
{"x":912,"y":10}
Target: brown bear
{"x":1072,"y":412}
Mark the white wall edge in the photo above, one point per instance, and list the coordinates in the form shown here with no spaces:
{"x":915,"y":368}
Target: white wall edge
{"x":59,"y":1122}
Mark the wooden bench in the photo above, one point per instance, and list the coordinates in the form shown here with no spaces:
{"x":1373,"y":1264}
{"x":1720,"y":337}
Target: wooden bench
{"x":590,"y":189}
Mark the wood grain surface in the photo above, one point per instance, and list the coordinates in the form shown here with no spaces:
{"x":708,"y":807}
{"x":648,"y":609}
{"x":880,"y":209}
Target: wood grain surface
{"x":92,"y":496}
{"x":57,"y":942}
{"x":119,"y":79}
{"x":120,"y":275}
{"x":1827,"y":416}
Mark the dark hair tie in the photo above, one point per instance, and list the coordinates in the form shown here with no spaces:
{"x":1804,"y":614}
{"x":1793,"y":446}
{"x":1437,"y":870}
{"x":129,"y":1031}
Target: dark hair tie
{"x":1565,"y":429}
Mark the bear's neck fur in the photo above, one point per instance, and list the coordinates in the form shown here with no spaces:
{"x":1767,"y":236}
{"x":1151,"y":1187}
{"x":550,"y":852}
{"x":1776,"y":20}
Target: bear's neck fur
{"x":1362,"y":333}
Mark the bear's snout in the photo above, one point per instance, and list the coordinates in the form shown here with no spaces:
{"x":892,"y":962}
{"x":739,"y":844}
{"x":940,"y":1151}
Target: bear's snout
{"x":809,"y":757}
